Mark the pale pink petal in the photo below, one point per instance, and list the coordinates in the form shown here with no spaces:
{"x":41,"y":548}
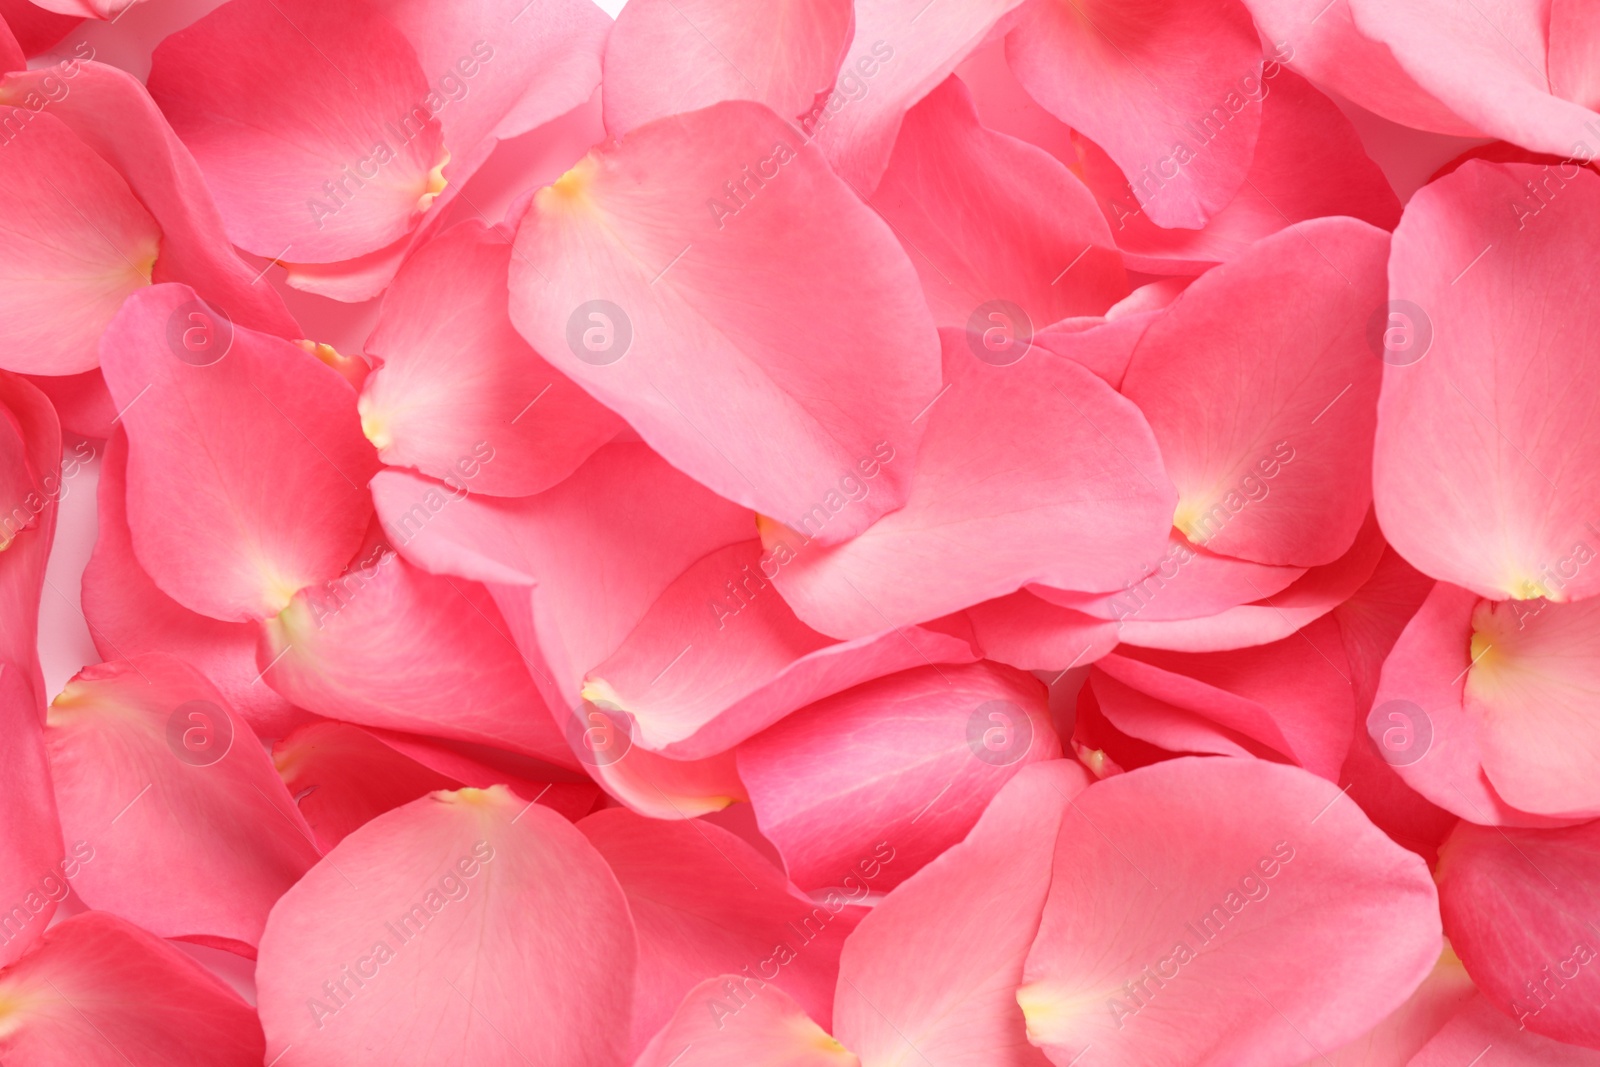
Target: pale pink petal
{"x":913,"y":759}
{"x":988,"y":218}
{"x":1518,"y":906}
{"x":1480,"y":1030}
{"x":1094,"y":506}
{"x":496,"y":69}
{"x":111,"y":112}
{"x":1392,"y":1043}
{"x":77,"y":244}
{"x":193,"y":833}
{"x":731,"y":1021}
{"x":389,"y":645}
{"x":1418,"y":709}
{"x":935,"y":967}
{"x":1483,"y":415}
{"x":1223,"y":911}
{"x":1159,"y":84}
{"x":1574,"y":60}
{"x":309,"y":121}
{"x":128,"y":615}
{"x":625,"y":285}
{"x":1486,"y":62}
{"x":1260,"y":387}
{"x":246,"y":475}
{"x":902,"y":49}
{"x":1534,"y":675}
{"x":1320,"y":40}
{"x":706,"y":903}
{"x":101,"y":992}
{"x":666,"y":57}
{"x":463,"y":929}
{"x":458,"y":394}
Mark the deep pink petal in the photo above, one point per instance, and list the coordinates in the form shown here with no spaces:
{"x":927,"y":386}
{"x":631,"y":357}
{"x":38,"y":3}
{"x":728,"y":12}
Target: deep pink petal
{"x":33,"y":864}
{"x":1308,"y":164}
{"x":666,"y":58}
{"x":986,"y":217}
{"x":192,"y":832}
{"x":1036,"y":635}
{"x":344,"y":777}
{"x":247,"y":475}
{"x":1472,"y":474}
{"x":658,"y":298}
{"x":913,"y":759}
{"x":30,"y":525}
{"x":1200,"y":915}
{"x":1292,"y":696}
{"x":309,"y":122}
{"x":1260,"y":387}
{"x":1033,"y":471}
{"x":458,"y":394}
{"x":1159,"y":84}
{"x":934,"y":968}
{"x":101,"y":992}
{"x":1518,"y":906}
{"x":128,"y":614}
{"x":411,"y":943}
{"x":1481,"y":1030}
{"x":706,"y":903}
